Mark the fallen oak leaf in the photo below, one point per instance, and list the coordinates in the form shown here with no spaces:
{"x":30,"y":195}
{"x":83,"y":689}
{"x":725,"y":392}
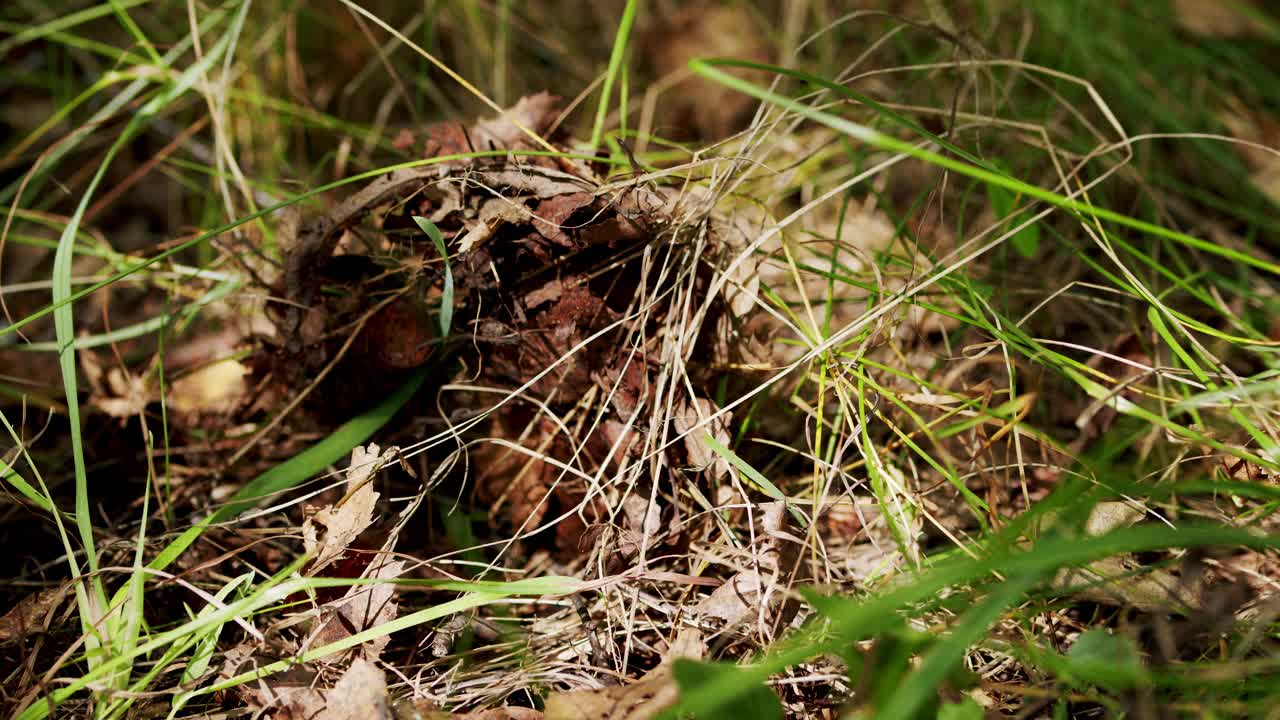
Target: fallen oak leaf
{"x":345,"y":520}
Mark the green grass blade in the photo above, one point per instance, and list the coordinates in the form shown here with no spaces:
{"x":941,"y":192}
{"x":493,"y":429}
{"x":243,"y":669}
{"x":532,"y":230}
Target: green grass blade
{"x":852,"y":621}
{"x":116,"y":105}
{"x":65,"y":22}
{"x":615,"y":65}
{"x":446,"y":296}
{"x":762,"y":483}
{"x":948,"y":653}
{"x":64,"y":328}
{"x":707,"y":68}
{"x":270,"y":591}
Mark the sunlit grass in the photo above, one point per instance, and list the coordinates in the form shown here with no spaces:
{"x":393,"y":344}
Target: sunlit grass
{"x":1069,"y":159}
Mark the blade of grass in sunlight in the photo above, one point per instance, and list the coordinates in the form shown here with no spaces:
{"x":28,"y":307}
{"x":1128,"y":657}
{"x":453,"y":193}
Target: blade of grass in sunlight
{"x":446,"y":294}
{"x":109,"y":110}
{"x":762,"y":483}
{"x":616,"y":58}
{"x":708,"y":68}
{"x":849,"y":621}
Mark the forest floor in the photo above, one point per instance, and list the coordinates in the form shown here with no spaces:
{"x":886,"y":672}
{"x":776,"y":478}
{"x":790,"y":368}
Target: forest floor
{"x":671,"y":359}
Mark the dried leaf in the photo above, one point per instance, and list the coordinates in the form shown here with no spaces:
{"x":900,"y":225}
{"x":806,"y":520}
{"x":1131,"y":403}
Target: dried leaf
{"x":534,"y":113}
{"x":553,"y":213}
{"x":1108,"y":516}
{"x":733,"y":601}
{"x":702,"y":457}
{"x":646,"y":698}
{"x":742,"y":286}
{"x":1219,"y":18}
{"x":362,"y":608}
{"x":216,"y":388}
{"x":293,"y":691}
{"x":545,"y":294}
{"x":115,"y":393}
{"x":494,"y":213}
{"x":361,"y":694}
{"x":344,"y":522}
{"x":780,"y":567}
{"x":641,"y":515}
{"x":536,"y":182}
{"x":30,"y":614}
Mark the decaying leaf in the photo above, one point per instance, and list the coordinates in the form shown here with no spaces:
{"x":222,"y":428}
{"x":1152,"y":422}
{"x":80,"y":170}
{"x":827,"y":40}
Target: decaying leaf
{"x":553,"y":213}
{"x":1219,"y":18}
{"x":550,"y":292}
{"x":743,"y":288}
{"x":215,"y":388}
{"x":361,"y":694}
{"x":363,"y":607}
{"x":533,"y":113}
{"x":643,"y":699}
{"x":302,"y":692}
{"x":535,"y":182}
{"x":116,"y":393}
{"x":702,"y":457}
{"x":344,"y":521}
{"x":30,"y":613}
{"x":641,"y":515}
{"x":494,"y":213}
{"x":1108,"y":516}
{"x":734,"y":601}
{"x":293,"y":693}
{"x":780,"y":567}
